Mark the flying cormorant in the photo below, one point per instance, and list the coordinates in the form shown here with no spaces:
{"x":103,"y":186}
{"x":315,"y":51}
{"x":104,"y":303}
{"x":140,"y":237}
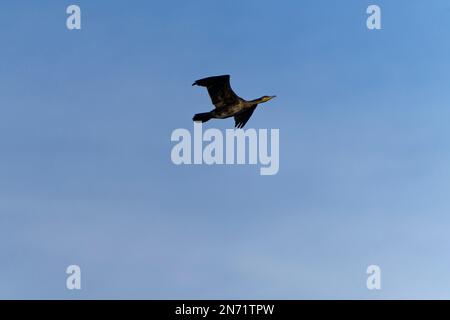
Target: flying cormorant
{"x":227,"y":103}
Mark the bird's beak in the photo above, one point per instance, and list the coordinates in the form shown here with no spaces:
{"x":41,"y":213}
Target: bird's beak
{"x":272,"y":97}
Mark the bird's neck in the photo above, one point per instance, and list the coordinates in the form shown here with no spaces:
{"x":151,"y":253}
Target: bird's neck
{"x":258,"y":101}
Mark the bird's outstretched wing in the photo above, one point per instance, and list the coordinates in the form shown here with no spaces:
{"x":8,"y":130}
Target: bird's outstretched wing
{"x":219,"y":90}
{"x":242,"y":118}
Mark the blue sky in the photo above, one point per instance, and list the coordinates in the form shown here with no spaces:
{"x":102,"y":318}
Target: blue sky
{"x":86,"y":176}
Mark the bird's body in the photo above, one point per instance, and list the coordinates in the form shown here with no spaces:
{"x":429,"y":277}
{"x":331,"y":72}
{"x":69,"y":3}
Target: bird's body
{"x":227,"y":103}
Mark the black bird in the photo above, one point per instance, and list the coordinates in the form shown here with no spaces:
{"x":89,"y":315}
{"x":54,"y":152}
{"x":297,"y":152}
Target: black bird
{"x":227,"y":103}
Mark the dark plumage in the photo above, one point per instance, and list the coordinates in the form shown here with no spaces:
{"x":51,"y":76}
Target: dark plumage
{"x":227,"y":103}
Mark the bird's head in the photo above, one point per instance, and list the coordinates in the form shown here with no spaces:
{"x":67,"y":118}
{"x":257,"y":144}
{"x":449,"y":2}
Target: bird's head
{"x":266,"y":98}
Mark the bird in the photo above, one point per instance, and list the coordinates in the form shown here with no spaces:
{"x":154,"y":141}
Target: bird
{"x":227,"y":103}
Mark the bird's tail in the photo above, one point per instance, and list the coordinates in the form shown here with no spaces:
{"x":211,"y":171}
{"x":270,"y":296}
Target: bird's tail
{"x":203,"y":117}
